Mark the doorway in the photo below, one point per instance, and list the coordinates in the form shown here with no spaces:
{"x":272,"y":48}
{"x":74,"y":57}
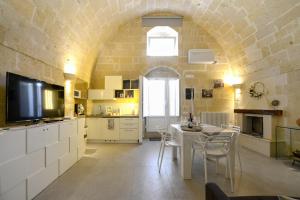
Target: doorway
{"x":161,"y":100}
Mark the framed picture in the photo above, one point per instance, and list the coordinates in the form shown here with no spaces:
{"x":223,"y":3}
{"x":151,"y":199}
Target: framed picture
{"x":189,"y":93}
{"x":218,"y":83}
{"x":207,"y":93}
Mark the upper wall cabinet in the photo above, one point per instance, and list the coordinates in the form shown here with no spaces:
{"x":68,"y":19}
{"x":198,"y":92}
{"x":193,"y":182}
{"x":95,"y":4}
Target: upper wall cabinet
{"x":98,"y":94}
{"x":113,"y":82}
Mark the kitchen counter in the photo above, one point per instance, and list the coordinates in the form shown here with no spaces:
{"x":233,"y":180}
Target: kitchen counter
{"x":112,"y":116}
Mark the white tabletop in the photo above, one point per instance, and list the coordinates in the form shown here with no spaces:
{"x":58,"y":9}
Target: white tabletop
{"x":206,"y":129}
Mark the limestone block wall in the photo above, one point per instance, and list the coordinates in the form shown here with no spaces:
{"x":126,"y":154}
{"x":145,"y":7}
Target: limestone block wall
{"x":125,"y":54}
{"x":19,"y":63}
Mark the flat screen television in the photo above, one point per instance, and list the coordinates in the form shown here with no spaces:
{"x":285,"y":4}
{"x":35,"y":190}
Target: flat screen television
{"x":29,"y":99}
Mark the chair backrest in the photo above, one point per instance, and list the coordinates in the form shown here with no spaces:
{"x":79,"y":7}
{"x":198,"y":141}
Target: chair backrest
{"x":214,"y":118}
{"x":233,"y":127}
{"x":222,"y":141}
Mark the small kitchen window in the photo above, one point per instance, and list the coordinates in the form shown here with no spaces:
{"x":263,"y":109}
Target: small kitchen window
{"x":162,"y":41}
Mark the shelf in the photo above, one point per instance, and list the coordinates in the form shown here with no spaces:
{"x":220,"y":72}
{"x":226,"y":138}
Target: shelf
{"x":130,"y":84}
{"x":259,"y":112}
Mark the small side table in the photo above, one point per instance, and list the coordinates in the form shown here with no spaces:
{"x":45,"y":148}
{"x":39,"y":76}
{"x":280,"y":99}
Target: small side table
{"x":290,"y":129}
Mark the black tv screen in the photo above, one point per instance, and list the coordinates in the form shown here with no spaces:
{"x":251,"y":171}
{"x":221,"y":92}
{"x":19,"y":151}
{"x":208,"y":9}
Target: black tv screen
{"x":31,"y":99}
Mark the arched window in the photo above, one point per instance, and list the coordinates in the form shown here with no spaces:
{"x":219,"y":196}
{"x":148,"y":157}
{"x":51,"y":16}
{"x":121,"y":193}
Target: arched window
{"x":162,"y":41}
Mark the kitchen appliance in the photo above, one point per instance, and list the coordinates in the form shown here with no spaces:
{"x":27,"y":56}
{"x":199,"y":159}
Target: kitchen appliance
{"x":77,"y":94}
{"x":79,"y":109}
{"x":30,"y":99}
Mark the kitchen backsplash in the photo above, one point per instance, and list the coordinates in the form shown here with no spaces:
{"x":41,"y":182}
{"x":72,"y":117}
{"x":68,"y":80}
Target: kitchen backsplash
{"x":116,"y":108}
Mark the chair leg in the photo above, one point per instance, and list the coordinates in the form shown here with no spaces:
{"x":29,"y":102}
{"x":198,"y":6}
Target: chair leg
{"x":230,"y":173}
{"x":205,"y":167}
{"x":159,"y":153}
{"x":162,"y":156}
{"x":217,"y":165}
{"x":193,"y":155}
{"x":226,"y":169}
{"x":239,"y":157}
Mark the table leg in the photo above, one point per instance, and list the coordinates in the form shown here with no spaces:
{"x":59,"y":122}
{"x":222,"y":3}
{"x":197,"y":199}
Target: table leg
{"x":186,"y":157}
{"x":174,"y":153}
{"x":232,"y":157}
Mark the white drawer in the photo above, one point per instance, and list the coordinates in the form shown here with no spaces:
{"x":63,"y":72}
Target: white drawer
{"x":17,"y":193}
{"x":39,"y":137}
{"x":12,"y":173}
{"x":52,"y":153}
{"x":67,"y":129}
{"x":52,"y":134}
{"x":129,"y":123}
{"x":129,"y":134}
{"x":39,"y":181}
{"x":36,"y":138}
{"x":129,"y":120}
{"x":12,"y":145}
{"x":36,"y":161}
{"x":66,"y":161}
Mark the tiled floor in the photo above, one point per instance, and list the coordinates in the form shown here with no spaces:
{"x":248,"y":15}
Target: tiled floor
{"x":129,"y":171}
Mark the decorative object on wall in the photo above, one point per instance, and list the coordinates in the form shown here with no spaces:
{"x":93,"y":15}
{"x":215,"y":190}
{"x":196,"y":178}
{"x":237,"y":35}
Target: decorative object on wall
{"x":189,"y":93}
{"x":275,"y":103}
{"x":257,"y":90}
{"x":298,"y":122}
{"x":218,"y":83}
{"x":207,"y":93}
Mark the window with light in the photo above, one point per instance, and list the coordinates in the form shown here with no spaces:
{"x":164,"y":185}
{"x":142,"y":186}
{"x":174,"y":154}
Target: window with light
{"x":162,"y":41}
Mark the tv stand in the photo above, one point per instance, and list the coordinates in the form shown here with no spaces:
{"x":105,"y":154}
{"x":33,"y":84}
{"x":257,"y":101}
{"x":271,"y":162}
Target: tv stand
{"x":32,"y":122}
{"x":53,"y":120}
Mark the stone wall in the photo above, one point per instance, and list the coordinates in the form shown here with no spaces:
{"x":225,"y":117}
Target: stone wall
{"x":125,"y":55}
{"x":20,"y":63}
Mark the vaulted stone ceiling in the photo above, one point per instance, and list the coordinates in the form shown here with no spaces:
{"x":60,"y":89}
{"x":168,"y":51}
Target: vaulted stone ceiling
{"x":60,"y":31}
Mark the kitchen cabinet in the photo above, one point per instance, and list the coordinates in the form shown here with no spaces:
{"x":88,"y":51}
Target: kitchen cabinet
{"x":129,"y":129}
{"x":111,"y":128}
{"x":99,"y":94}
{"x":94,"y":128}
{"x":99,"y":129}
{"x":124,"y":129}
{"x":113,"y":82}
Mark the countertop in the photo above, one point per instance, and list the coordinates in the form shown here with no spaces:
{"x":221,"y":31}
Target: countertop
{"x":112,"y":116}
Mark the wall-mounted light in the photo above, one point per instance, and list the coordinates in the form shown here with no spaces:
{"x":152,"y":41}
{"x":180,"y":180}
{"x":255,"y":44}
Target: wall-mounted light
{"x":69,"y":66}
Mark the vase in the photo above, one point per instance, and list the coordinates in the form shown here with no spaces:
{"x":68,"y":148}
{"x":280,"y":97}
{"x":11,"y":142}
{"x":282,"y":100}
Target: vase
{"x":298,"y":122}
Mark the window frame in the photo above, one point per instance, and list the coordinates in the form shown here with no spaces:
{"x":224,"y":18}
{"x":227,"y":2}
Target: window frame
{"x":169,"y":33}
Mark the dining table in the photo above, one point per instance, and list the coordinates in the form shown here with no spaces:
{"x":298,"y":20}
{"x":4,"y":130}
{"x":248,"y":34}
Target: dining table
{"x":186,"y":139}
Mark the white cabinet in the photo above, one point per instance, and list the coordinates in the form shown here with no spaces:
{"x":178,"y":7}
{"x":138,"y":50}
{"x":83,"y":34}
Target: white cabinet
{"x":41,"y":136}
{"x":99,"y":94}
{"x":103,"y":128}
{"x":41,"y":179}
{"x":95,"y":126}
{"x":113,"y":82}
{"x":129,"y":129}
{"x":111,"y":128}
{"x":33,"y":157}
{"x":81,"y":133}
{"x":12,"y":144}
{"x":67,"y":129}
{"x":129,"y":134}
{"x":17,"y":193}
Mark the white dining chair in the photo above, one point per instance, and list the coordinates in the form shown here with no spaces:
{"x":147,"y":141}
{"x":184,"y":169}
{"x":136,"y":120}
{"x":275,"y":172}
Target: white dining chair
{"x":216,"y":147}
{"x":237,"y":131}
{"x":167,"y":140}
